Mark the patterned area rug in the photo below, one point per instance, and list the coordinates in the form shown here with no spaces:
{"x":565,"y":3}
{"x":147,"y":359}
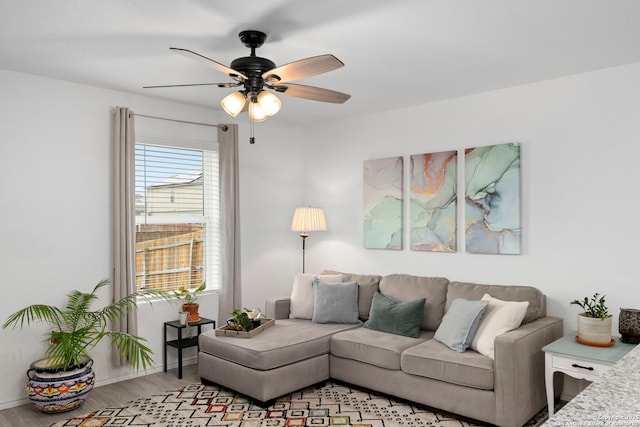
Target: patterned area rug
{"x":330,"y":405}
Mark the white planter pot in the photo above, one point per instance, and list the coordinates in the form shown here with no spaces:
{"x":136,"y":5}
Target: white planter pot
{"x":182,"y":317}
{"x":594,"y":330}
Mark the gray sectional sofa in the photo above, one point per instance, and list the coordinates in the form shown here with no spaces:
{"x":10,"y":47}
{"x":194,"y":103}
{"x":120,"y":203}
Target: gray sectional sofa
{"x":505,"y":390}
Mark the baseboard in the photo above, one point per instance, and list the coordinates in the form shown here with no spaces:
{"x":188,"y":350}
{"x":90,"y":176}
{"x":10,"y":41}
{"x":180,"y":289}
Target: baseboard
{"x":13,"y":403}
{"x":149,"y":371}
{"x":185,"y":362}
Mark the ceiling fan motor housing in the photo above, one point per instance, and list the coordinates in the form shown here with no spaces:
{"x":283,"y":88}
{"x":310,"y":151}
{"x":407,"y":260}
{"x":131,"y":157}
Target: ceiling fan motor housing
{"x":253,"y":67}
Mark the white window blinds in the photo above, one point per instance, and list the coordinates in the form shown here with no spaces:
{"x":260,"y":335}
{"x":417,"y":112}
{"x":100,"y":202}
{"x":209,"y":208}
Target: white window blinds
{"x":177,"y":217}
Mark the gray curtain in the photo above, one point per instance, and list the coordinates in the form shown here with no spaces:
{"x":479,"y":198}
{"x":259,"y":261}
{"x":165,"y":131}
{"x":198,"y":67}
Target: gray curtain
{"x":124,"y":257}
{"x":230,"y":295}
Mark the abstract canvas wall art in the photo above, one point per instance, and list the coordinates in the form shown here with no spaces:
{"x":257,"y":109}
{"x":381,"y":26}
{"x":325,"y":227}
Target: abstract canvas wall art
{"x":432,"y":203}
{"x":492,"y":199}
{"x":383,"y":200}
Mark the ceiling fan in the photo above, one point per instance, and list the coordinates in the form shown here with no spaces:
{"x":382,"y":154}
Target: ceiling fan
{"x":256,"y":75}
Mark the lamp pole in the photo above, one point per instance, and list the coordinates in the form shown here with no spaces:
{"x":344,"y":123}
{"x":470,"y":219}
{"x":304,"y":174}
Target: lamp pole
{"x":304,"y":236}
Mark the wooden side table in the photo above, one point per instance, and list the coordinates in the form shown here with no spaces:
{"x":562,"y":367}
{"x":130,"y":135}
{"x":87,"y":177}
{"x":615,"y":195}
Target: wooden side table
{"x":578,"y":360}
{"x":181,"y":343}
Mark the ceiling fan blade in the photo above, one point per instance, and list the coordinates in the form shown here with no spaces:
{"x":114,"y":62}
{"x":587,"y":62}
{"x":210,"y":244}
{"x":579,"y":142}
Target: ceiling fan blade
{"x":303,"y":68}
{"x":210,"y":62}
{"x":312,"y":93}
{"x":195,"y":84}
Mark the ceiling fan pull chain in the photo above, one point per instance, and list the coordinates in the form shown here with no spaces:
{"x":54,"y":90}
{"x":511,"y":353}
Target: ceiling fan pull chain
{"x":252,"y":139}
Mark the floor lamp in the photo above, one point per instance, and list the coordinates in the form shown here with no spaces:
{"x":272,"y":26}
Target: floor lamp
{"x":308,"y":219}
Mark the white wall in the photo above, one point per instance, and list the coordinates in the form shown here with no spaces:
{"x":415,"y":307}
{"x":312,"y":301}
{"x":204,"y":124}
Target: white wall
{"x":271,"y":188}
{"x":580,"y":139}
{"x":56,"y":196}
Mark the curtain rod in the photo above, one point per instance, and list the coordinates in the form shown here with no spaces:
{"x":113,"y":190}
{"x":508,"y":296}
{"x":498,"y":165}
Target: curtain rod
{"x":223,"y":127}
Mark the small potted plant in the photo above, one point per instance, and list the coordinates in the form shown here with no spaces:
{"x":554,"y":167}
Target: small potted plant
{"x":594,"y":325}
{"x":189,"y":298}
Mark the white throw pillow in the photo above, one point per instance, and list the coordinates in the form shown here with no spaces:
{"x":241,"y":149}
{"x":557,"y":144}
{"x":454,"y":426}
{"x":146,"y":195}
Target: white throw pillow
{"x":301,"y":306}
{"x":500,"y":317}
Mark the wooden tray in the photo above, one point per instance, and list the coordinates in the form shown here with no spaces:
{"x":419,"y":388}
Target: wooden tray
{"x":225,"y":331}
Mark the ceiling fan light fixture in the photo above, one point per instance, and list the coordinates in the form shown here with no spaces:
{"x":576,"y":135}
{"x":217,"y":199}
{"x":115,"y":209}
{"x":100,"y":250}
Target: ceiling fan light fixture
{"x":269,"y":103}
{"x":233,"y":103}
{"x":256,"y":113}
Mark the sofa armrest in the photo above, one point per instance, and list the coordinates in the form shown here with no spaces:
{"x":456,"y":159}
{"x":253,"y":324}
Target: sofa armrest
{"x":277,"y":307}
{"x":519,"y":370}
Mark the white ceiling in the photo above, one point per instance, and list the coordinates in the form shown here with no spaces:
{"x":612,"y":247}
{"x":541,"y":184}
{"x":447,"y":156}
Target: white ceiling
{"x":396,"y":53}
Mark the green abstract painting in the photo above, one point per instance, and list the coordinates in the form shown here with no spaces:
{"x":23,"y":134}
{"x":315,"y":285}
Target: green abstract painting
{"x":383,"y":202}
{"x":492,"y":199}
{"x":432,"y":205}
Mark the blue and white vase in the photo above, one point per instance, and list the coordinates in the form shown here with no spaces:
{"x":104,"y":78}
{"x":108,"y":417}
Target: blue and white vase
{"x":54,"y":390}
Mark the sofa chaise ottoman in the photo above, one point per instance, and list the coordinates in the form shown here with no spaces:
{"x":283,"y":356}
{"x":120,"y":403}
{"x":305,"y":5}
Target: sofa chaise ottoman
{"x":504,"y":386}
{"x":288,"y":356}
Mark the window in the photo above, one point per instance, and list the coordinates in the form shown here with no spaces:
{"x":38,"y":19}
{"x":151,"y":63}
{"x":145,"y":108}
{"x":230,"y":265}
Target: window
{"x":177,"y":216}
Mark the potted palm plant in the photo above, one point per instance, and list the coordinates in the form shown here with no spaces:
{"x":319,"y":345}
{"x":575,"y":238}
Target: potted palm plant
{"x":60,"y":381}
{"x":594,"y":324}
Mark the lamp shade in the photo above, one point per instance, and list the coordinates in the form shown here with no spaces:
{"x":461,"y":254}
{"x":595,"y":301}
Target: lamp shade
{"x":233,"y":103}
{"x":308,"y":219}
{"x":269,"y":102}
{"x":256,"y":113}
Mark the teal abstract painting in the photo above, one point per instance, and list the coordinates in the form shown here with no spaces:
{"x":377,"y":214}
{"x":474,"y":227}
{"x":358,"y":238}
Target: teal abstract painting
{"x":492,"y":199}
{"x":383,"y":213}
{"x":432,"y":205}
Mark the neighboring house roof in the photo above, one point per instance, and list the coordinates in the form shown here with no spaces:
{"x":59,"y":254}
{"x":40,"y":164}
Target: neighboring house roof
{"x":180,"y":179}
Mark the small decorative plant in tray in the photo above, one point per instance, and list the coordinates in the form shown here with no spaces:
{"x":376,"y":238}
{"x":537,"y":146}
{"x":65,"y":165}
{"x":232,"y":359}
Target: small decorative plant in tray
{"x":245,"y":324}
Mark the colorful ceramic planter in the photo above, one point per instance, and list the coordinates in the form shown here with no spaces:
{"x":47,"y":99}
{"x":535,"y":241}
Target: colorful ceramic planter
{"x":54,"y":390}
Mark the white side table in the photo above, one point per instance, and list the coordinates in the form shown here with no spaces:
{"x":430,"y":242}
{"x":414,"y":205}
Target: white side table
{"x":578,"y":360}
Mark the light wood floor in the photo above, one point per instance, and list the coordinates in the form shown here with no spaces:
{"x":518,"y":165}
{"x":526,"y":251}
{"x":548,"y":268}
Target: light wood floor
{"x":102,"y":397}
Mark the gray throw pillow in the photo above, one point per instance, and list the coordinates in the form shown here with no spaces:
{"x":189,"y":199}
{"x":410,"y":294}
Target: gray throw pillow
{"x":460,"y":323}
{"x":335,"y":302}
{"x":400,"y":318}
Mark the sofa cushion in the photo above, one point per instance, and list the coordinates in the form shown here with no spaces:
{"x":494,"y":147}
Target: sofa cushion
{"x":460,"y":323}
{"x":335,"y":302}
{"x":473,"y":291}
{"x":367,"y":286}
{"x":501,"y":317}
{"x":288,"y":341}
{"x":374,"y":347}
{"x":402,"y":318}
{"x":435,"y":360}
{"x":404,"y":287}
{"x":301,"y":305}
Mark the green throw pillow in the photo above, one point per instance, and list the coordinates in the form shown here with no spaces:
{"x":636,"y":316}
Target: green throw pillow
{"x":400,"y":318}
